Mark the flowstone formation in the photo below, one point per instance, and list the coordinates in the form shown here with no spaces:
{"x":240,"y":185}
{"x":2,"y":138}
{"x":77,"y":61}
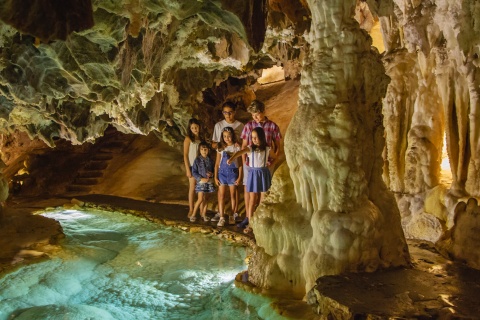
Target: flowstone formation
{"x":329,"y":211}
{"x":432,"y":102}
{"x":141,"y":67}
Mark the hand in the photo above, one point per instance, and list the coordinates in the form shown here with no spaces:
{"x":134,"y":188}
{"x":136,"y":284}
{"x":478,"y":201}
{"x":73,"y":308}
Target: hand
{"x":217,"y":182}
{"x":229,"y":161}
{"x":209,"y":175}
{"x":237,"y":182}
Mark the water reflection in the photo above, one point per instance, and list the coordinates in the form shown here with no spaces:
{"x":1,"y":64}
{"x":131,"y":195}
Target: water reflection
{"x":117,"y":266}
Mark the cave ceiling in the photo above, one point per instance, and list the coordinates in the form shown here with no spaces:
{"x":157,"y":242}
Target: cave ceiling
{"x":69,"y":71}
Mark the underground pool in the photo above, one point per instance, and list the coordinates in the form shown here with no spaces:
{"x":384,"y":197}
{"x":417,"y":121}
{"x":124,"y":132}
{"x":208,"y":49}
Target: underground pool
{"x":118,"y":266}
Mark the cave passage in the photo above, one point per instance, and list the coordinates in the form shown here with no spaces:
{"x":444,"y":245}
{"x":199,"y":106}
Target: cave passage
{"x":117,"y":266}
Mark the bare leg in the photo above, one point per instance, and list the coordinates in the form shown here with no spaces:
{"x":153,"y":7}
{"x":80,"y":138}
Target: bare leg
{"x":191,"y":195}
{"x":235,"y":210}
{"x":246,"y":198}
{"x":204,"y":204}
{"x":197,"y":204}
{"x":221,"y":200}
{"x":233,"y":198}
{"x":251,"y":205}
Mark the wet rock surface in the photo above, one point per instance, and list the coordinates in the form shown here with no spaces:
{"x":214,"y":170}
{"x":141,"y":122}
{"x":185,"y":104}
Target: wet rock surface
{"x":434,"y":288}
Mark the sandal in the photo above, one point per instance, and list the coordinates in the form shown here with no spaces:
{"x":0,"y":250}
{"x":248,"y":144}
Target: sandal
{"x":193,"y":219}
{"x":206,"y":219}
{"x":247,"y":230}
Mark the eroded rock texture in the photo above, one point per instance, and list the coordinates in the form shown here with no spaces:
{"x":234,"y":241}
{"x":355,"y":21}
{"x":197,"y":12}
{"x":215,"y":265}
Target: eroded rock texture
{"x":142,"y":66}
{"x":330,"y":212}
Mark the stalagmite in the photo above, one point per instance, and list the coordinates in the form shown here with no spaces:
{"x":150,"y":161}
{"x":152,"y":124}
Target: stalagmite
{"x":329,"y":211}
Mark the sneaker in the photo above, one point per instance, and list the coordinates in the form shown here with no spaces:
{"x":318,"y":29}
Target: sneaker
{"x":193,"y":219}
{"x":206,"y":219}
{"x":237,"y":217}
{"x":231,"y":219}
{"x":221,"y":222}
{"x":243,"y":224}
{"x":216,"y":217}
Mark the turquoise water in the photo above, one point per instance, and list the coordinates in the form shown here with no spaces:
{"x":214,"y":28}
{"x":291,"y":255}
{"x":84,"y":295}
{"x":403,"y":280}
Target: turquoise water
{"x":117,"y":266}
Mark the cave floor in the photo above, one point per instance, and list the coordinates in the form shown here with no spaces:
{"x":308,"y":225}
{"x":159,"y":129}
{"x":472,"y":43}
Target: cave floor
{"x":434,"y":288}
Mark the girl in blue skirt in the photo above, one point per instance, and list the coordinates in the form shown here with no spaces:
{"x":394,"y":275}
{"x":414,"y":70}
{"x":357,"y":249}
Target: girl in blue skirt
{"x":259,"y":177}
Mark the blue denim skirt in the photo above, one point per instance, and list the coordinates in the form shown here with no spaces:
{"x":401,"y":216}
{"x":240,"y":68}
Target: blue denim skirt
{"x":259,"y":179}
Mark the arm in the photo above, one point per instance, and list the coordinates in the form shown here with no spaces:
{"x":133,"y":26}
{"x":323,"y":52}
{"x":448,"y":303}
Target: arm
{"x":237,"y":154}
{"x":278,"y":148}
{"x":217,"y":166}
{"x":195,"y":172}
{"x":186,"y":146}
{"x":272,"y":157}
{"x":240,"y":176}
{"x":244,"y":145}
{"x":216,"y":136}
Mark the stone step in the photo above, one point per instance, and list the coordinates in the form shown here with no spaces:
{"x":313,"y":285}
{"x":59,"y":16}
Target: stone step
{"x":102,"y":156}
{"x":76,"y":187}
{"x":90,"y":174}
{"x":86,"y":181}
{"x":113,"y":145}
{"x":96,"y":165}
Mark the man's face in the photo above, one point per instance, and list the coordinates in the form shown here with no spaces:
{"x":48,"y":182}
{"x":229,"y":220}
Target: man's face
{"x":258,"y":116}
{"x":229,"y":114}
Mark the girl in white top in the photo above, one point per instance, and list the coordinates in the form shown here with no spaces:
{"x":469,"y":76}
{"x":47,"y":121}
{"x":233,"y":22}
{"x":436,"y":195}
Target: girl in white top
{"x":190,"y":152}
{"x":259,"y":177}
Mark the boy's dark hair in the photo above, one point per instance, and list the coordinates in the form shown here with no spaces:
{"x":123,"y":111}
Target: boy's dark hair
{"x":190,"y":133}
{"x":261,"y":137}
{"x":204,"y":144}
{"x":230,"y":105}
{"x":222,"y":145}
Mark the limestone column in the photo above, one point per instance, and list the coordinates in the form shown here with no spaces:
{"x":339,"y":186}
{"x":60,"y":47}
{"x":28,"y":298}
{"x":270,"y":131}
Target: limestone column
{"x":329,"y":211}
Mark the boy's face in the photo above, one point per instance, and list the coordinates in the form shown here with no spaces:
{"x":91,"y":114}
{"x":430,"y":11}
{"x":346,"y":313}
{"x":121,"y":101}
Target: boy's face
{"x":258,"y":117}
{"x":229,"y":114}
{"x":204,"y":151}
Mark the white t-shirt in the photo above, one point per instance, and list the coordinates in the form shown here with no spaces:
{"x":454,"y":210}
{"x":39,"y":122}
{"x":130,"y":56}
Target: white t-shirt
{"x":217,"y":131}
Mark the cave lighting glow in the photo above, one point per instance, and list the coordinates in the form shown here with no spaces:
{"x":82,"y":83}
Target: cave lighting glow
{"x":445,"y":170}
{"x":118,"y":266}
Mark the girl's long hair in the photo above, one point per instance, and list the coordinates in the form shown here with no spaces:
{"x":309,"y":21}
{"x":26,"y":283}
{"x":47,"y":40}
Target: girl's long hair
{"x":222,"y":145}
{"x":261,"y":137}
{"x":189,"y":131}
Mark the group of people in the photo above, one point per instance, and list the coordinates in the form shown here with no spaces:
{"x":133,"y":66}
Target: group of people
{"x":245,"y":154}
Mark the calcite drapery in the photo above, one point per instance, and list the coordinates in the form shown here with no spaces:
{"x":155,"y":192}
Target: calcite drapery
{"x":340,"y":216}
{"x":433,"y":61}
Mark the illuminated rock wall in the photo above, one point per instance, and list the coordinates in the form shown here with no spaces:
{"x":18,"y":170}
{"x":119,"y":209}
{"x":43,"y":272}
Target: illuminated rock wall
{"x":433,"y":61}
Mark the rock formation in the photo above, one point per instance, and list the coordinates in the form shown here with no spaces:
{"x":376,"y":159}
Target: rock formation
{"x":332,"y":212}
